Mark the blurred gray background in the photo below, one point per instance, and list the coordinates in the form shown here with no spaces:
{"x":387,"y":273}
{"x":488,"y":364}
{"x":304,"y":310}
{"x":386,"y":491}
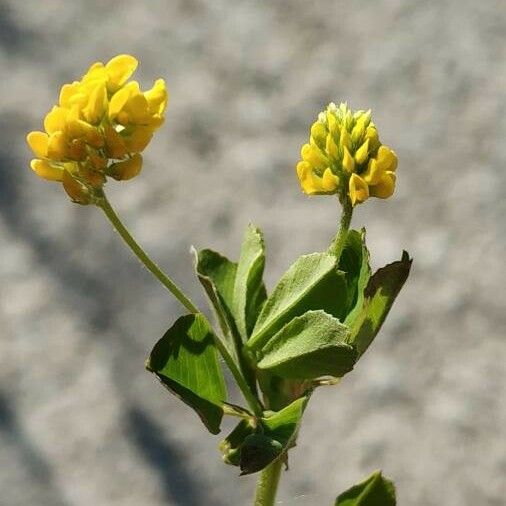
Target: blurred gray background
{"x":81,"y":422}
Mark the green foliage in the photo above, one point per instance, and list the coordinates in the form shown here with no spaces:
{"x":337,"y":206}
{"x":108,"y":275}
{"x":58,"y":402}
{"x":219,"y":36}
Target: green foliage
{"x":231,"y":445}
{"x":186,"y":363}
{"x":249,"y":290}
{"x":374,"y":491}
{"x":309,"y":346}
{"x":217,"y":275}
{"x":256,"y":443}
{"x":311,"y":283}
{"x":318,"y":321}
{"x":354,"y":262}
{"x":379,"y":295}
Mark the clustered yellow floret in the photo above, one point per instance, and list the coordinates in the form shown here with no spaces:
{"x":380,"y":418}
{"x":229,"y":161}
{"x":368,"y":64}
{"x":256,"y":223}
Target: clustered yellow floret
{"x":99,"y":128}
{"x":344,"y":156}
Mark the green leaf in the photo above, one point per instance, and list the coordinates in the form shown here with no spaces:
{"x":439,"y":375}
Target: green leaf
{"x":186,"y":363}
{"x":354,"y":262}
{"x":310,"y":346}
{"x":374,"y":491}
{"x":231,"y":445}
{"x":249,"y":290}
{"x":275,"y":435}
{"x":257,"y":452}
{"x":379,"y":295}
{"x":312,"y":282}
{"x":283,"y":425}
{"x":217,"y":275}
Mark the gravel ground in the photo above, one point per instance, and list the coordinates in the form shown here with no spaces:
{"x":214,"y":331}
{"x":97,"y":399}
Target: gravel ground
{"x":81,"y":422}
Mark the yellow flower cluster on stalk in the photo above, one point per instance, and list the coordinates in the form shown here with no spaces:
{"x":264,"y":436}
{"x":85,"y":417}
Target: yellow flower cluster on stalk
{"x":345,"y":156}
{"x":98,"y":129}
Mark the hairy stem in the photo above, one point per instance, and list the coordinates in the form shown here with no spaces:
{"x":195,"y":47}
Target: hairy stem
{"x":340,"y":239}
{"x":106,"y":207}
{"x":104,"y":204}
{"x":267,"y":484}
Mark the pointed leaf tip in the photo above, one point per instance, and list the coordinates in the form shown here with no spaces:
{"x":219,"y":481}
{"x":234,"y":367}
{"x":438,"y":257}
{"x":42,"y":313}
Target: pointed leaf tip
{"x":376,"y":490}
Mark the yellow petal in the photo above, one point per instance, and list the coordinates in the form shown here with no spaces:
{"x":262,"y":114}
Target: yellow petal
{"x":157,"y":97}
{"x":345,"y":139}
{"x":96,"y":71}
{"x":46,"y":171}
{"x":331,"y":148}
{"x":330,"y":182}
{"x":78,"y":129}
{"x":372,"y":134}
{"x":386,"y":186}
{"x":67,"y":92}
{"x":358,"y":190}
{"x":333,"y":125}
{"x":96,"y":106}
{"x":38,"y":143}
{"x":55,"y":120}
{"x":302,"y":168}
{"x":373,"y":173}
{"x":387,"y":159}
{"x":306,"y":178}
{"x":118,"y":101}
{"x":57,"y":146}
{"x":348,"y":162}
{"x":319,"y":134}
{"x":122,"y":171}
{"x":314,"y":157}
{"x":137,"y":110}
{"x":363,"y":118}
{"x":119,"y":69}
{"x":362,"y":153}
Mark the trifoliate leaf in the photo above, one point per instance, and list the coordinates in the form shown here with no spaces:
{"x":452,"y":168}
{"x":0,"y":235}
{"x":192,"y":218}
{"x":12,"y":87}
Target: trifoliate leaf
{"x":312,"y":282}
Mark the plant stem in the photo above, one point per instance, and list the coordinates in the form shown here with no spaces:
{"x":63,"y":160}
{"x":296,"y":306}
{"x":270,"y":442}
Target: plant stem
{"x":340,"y":239}
{"x":267,"y":484}
{"x":250,"y":397}
{"x":103,"y":203}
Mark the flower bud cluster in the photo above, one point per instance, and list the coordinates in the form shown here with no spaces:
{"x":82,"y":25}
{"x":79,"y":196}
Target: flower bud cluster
{"x":98,"y":129}
{"x":345,"y":156}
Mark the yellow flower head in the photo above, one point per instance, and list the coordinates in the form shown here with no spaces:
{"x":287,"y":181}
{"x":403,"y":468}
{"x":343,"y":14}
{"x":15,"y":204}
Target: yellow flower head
{"x":344,"y":156}
{"x":98,"y":129}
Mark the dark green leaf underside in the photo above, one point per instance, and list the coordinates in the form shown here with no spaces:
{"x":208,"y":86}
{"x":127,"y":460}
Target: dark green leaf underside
{"x":379,"y":295}
{"x":186,"y":362}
